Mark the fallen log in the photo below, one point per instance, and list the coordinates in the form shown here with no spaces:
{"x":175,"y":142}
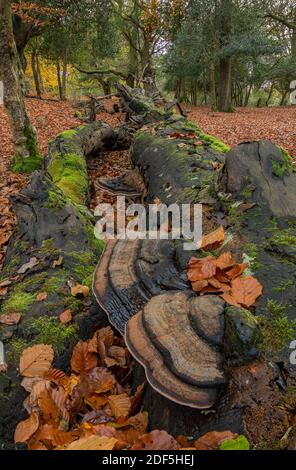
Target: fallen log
{"x":52,"y":249}
{"x":253,"y":196}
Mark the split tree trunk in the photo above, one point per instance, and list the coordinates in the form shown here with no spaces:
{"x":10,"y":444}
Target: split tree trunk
{"x":24,"y":137}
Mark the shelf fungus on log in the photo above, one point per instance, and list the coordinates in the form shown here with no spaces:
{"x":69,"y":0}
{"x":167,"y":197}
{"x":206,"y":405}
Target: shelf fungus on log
{"x":130,"y":272}
{"x":175,"y":338}
{"x":130,"y":185}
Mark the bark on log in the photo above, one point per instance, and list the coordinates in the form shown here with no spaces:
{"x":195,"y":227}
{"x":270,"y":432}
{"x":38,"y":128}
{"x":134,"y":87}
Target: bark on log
{"x":260,"y":177}
{"x":55,"y":235}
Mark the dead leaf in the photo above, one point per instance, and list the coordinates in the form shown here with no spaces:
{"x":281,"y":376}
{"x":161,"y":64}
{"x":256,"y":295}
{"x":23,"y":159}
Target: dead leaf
{"x":41,"y":296}
{"x":236,"y":271}
{"x":83,"y":360}
{"x":156,"y":440}
{"x":56,"y":376}
{"x":66,"y":316}
{"x":245,"y":291}
{"x":36,"y":360}
{"x":201,"y":269}
{"x":120,"y":405}
{"x":25,"y":267}
{"x":225,"y":261}
{"x":213,"y":240}
{"x":213,"y":440}
{"x":93,"y":443}
{"x":10,"y":318}
{"x":25,"y":429}
{"x":58,"y":262}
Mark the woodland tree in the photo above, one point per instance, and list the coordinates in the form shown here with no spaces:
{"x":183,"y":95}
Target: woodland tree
{"x":26,"y":157}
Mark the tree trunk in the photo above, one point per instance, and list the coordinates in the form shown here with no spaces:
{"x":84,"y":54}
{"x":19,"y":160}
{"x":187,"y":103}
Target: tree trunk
{"x":270,"y":94}
{"x":24,"y":137}
{"x":225,"y":66}
{"x":284,"y":96}
{"x":64,"y":76}
{"x":213,"y":87}
{"x":36,"y":74}
{"x":39,"y":74}
{"x":59,"y":80}
{"x":224,"y":103}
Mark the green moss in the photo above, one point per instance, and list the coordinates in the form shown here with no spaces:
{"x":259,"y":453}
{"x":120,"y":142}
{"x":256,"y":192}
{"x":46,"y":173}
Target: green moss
{"x":15,"y":349}
{"x":55,"y":200}
{"x":247,"y":193}
{"x":48,"y":248}
{"x":283,"y":286}
{"x":69,"y":134}
{"x":22,"y":245}
{"x":216,"y":144}
{"x":284,"y":237}
{"x":280,"y":168}
{"x":18,"y":302}
{"x":51,"y":331}
{"x":10,"y":268}
{"x":34,"y":160}
{"x":69,"y":174}
{"x":277,"y":331}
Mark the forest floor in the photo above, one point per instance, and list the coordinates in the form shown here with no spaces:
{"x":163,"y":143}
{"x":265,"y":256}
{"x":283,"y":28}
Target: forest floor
{"x":52,"y":117}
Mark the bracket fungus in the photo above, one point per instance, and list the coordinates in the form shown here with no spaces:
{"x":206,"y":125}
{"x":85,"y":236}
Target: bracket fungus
{"x":175,"y":337}
{"x":130,"y":185}
{"x":130,"y":272}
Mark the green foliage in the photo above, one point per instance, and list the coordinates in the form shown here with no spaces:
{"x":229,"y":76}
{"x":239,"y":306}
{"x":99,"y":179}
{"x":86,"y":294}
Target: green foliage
{"x":18,"y":302}
{"x":69,"y":174}
{"x":216,"y":144}
{"x":51,"y":331}
{"x":16,"y":347}
{"x":240,"y":443}
{"x":277,"y":331}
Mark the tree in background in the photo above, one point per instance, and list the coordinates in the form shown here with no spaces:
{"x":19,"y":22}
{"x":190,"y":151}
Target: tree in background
{"x":26,"y":155}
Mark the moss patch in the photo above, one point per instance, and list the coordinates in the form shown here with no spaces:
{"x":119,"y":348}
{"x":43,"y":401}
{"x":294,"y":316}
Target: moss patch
{"x":69,"y":174}
{"x":34,"y":160}
{"x":18,"y":302}
{"x":51,"y":331}
{"x":284,"y":167}
{"x":215,"y":143}
{"x":277,"y":331}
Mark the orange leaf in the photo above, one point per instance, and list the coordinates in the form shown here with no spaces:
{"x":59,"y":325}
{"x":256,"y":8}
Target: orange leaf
{"x":82,"y":360}
{"x":213,"y":440}
{"x":10,"y":318}
{"x":156,"y":440}
{"x":198,"y":286}
{"x":56,"y":376}
{"x":213,"y":240}
{"x":93,"y":443}
{"x":225,"y":261}
{"x":36,"y":360}
{"x":48,"y":409}
{"x":101,"y":380}
{"x":41,"y":296}
{"x":236,"y":271}
{"x":66,"y":316}
{"x":26,"y":429}
{"x":201,"y":269}
{"x":246,"y":290}
{"x":120,"y":405}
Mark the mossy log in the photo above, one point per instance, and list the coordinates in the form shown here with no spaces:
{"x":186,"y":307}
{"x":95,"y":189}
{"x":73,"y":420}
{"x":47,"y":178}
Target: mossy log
{"x":55,"y":235}
{"x":251,"y":190}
